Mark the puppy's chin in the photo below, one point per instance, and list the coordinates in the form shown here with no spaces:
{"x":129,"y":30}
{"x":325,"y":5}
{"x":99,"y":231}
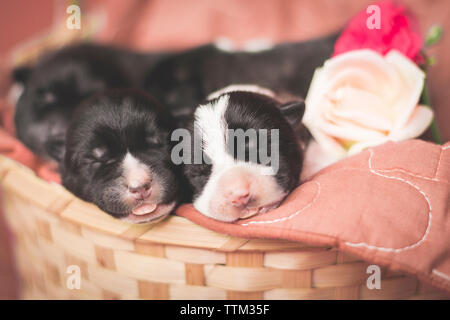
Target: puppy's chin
{"x":149,"y":213}
{"x":239,"y":192}
{"x":228,"y":213}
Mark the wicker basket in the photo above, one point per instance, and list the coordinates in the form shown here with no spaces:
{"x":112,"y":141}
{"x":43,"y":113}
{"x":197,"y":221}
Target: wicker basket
{"x":174,"y":259}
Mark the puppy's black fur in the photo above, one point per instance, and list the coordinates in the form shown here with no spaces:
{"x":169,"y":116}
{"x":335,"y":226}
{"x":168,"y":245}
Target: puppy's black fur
{"x":118,"y":122}
{"x":247,"y":110}
{"x":60,"y":80}
{"x":181,"y":81}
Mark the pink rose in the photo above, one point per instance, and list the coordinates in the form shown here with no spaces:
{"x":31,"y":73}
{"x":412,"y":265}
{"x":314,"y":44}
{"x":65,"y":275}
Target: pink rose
{"x":398,"y":30}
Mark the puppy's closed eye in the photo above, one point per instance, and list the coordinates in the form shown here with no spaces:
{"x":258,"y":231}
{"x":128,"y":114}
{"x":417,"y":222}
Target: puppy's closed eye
{"x":99,"y":153}
{"x":45,"y":97}
{"x":100,"y":157}
{"x":153,"y":140}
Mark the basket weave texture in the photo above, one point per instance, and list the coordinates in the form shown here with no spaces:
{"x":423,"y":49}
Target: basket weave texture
{"x":174,"y":259}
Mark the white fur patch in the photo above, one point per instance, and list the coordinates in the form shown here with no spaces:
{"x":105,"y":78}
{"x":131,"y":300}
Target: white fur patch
{"x":135,"y":172}
{"x":242,"y":87}
{"x":258,"y":45}
{"x":225,"y":44}
{"x":211,"y":124}
{"x":250,"y":46}
{"x":14,"y":93}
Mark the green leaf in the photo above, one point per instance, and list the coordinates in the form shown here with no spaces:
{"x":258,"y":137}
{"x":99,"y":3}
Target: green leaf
{"x":434,"y":34}
{"x":431,"y":61}
{"x":434,"y":128}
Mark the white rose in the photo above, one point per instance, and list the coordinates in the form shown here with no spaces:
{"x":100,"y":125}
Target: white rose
{"x":360,"y":99}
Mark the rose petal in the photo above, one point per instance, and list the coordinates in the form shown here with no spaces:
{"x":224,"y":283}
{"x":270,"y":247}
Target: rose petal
{"x":398,"y":29}
{"x":364,"y":108}
{"x":357,"y":77}
{"x":417,"y":124}
{"x":315,"y":94}
{"x":360,"y":146}
{"x":387,"y":80}
{"x":332,"y":147}
{"x":413,"y":80}
{"x":349,"y":131}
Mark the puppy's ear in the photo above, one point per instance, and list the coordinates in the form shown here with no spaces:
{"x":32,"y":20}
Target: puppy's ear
{"x":21,"y":74}
{"x":293,"y":112}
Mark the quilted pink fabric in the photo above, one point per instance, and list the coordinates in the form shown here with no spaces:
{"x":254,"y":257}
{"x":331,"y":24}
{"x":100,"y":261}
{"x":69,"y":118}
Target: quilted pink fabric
{"x":389,"y":205}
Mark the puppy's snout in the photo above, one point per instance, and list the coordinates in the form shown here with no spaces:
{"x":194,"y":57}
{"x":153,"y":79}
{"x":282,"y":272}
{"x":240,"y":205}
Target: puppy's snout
{"x":142,"y":191}
{"x":239,"y":197}
{"x":236,"y":189}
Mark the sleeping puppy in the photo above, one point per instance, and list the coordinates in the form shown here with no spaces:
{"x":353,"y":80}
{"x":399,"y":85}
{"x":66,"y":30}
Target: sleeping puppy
{"x":250,"y":157}
{"x":54,"y":86}
{"x":183,"y":80}
{"x":60,"y":80}
{"x":118,"y":156}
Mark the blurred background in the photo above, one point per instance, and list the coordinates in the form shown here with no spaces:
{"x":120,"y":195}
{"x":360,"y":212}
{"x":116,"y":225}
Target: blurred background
{"x":28,"y":27}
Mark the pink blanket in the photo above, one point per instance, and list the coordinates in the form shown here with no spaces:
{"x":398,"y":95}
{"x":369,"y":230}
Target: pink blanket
{"x":389,"y":205}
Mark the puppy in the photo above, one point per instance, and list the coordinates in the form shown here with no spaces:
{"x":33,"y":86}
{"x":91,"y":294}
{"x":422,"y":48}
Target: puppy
{"x":60,"y":80}
{"x":183,"y":80}
{"x":250,"y":156}
{"x":118,"y":156}
{"x":54,"y":86}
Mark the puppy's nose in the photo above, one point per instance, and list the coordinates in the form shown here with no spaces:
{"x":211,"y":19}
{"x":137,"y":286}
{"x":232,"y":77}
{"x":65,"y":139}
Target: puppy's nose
{"x":141,"y":192}
{"x":239,"y":197}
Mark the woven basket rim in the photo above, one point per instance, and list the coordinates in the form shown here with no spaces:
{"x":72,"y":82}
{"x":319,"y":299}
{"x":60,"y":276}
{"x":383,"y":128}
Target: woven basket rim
{"x":171,"y":259}
{"x":174,"y":230}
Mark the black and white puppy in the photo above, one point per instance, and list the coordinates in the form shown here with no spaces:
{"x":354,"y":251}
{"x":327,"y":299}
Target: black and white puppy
{"x":251,"y":156}
{"x":118,"y":156}
{"x":56,"y":84}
